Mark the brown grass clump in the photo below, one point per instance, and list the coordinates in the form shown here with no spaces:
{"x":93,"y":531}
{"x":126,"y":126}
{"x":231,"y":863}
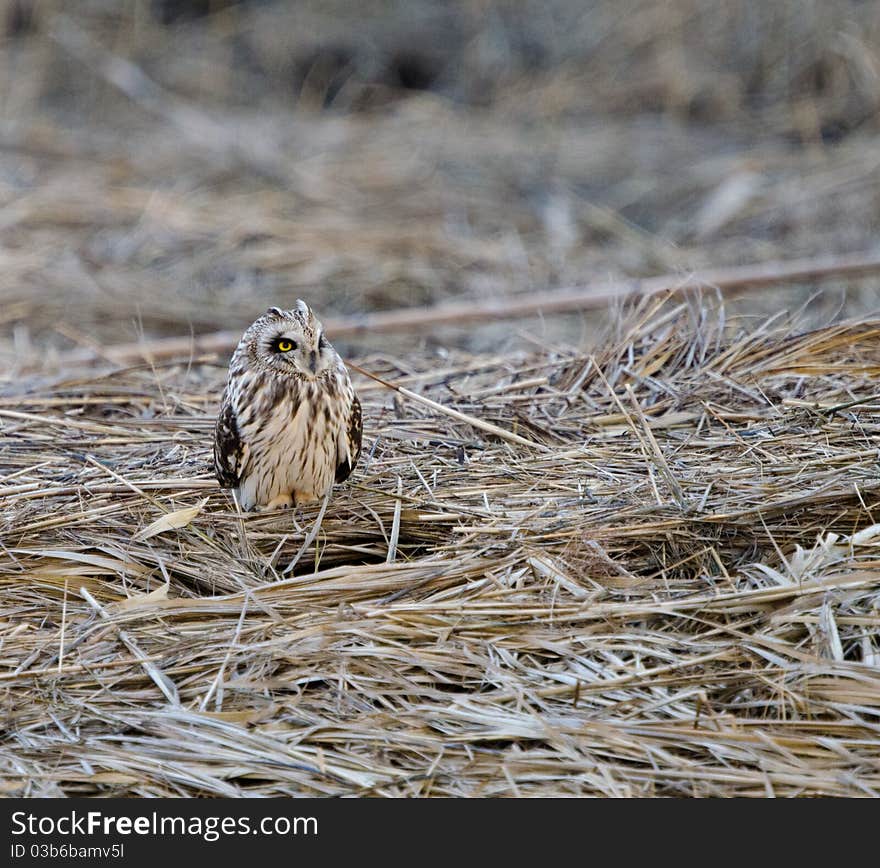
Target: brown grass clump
{"x":676,"y":591}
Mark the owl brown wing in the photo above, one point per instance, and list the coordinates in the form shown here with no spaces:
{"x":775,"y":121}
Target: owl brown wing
{"x":229,"y":451}
{"x":354,"y":434}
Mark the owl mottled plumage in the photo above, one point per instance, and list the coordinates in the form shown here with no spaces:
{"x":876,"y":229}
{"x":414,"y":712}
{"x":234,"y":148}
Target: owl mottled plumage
{"x":290,"y":422}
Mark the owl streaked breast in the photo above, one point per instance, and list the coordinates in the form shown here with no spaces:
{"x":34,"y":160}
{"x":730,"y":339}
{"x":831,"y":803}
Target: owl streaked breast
{"x":290,"y":422}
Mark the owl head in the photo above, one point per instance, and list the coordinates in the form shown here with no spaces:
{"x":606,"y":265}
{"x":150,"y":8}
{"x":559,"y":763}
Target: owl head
{"x":289,"y":343}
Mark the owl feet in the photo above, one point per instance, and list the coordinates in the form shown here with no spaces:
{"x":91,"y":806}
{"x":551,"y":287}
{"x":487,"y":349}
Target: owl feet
{"x":280,"y":501}
{"x":302,"y":497}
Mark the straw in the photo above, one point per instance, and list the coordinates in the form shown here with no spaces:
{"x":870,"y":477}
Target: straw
{"x":475,"y":617}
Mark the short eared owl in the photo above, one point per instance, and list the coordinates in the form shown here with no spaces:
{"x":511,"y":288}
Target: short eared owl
{"x":290,"y":422}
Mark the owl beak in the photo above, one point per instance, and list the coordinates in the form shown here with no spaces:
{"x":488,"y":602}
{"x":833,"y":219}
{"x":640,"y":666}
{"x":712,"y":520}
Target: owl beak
{"x":313,"y":361}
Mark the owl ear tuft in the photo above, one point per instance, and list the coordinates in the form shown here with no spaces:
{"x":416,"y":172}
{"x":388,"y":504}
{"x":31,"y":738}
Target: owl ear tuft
{"x":302,"y":307}
{"x":275,"y":311}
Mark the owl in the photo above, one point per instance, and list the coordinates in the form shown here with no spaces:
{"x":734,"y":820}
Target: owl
{"x":290,"y":422}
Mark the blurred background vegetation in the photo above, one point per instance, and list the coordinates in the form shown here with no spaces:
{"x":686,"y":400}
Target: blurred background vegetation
{"x":177,"y":164}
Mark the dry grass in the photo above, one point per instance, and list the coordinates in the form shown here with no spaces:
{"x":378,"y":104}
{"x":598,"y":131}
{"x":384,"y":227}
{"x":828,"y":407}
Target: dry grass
{"x":678,"y":594}
{"x":168,"y":177}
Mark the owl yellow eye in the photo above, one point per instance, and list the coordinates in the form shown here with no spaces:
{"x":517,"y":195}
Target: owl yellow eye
{"x":285,"y":346}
